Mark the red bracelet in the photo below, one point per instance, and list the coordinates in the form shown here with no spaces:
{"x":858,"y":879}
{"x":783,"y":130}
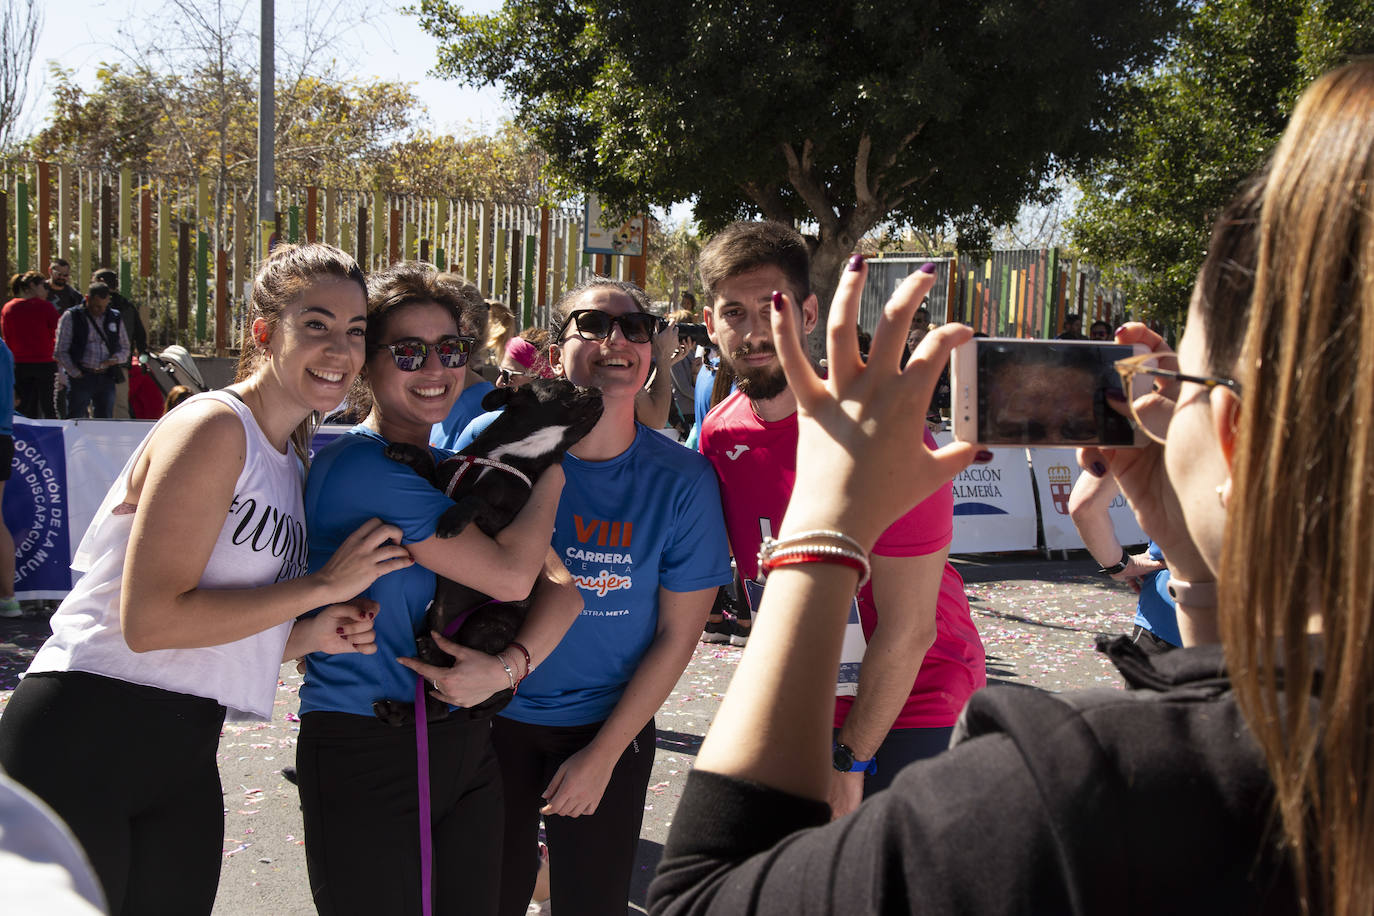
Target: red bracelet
{"x":529,"y":665}
{"x":817,"y":556}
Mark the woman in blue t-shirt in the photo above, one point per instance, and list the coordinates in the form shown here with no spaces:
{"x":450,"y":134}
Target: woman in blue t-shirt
{"x":639,"y":526}
{"x":358,"y":775}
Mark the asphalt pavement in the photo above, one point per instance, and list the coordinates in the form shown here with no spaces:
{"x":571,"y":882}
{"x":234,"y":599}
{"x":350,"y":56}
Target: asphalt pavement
{"x":1037,"y":618}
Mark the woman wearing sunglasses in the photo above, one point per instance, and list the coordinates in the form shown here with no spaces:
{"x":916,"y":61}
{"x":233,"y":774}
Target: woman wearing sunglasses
{"x":525,"y":360}
{"x":359,"y":788}
{"x":639,"y":527}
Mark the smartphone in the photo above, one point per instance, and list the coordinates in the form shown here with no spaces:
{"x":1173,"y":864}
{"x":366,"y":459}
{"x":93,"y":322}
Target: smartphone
{"x":1042,"y":393}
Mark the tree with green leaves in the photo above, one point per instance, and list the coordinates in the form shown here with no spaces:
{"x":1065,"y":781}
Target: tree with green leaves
{"x":1190,"y":131}
{"x":839,"y":117}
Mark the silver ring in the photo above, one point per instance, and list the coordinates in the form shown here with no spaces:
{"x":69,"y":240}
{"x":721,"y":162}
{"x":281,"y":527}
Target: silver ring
{"x":435,"y":685}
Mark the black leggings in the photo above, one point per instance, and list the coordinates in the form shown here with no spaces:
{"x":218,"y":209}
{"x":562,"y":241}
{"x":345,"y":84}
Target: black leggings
{"x":591,"y":858}
{"x":360,"y":801}
{"x":33,"y":386}
{"x":132,"y":771}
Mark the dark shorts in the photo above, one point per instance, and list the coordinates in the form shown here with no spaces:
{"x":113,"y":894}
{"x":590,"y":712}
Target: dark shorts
{"x":6,"y":457}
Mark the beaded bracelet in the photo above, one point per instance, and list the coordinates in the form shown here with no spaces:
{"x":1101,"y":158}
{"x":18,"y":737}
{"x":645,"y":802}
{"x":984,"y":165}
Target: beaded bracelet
{"x":529,"y":665}
{"x":770,"y":544}
{"x":773,"y":554}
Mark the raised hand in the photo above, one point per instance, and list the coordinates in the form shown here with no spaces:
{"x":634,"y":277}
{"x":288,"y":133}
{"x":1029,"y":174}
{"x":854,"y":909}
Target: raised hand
{"x":861,"y":453}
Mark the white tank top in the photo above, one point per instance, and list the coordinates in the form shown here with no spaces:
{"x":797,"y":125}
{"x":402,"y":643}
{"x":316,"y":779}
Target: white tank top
{"x":261,"y":540}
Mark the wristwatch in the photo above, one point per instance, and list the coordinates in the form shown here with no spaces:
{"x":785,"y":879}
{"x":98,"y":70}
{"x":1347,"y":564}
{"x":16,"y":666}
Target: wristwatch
{"x":843,"y":760}
{"x":1118,"y":566}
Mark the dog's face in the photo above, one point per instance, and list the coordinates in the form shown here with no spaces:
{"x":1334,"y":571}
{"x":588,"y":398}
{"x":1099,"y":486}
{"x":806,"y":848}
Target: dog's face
{"x":547,"y":416}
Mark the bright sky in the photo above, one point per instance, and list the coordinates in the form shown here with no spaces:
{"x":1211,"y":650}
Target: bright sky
{"x":81,"y":34}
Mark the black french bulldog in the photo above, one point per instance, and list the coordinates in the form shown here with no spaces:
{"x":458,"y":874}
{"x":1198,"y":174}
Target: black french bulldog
{"x":541,"y":421}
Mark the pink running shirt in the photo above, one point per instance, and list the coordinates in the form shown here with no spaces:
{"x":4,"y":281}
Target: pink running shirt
{"x":756,"y":462}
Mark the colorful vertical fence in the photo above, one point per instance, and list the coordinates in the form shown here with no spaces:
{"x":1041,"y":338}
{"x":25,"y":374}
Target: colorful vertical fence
{"x":186,"y":249}
{"x":1016,"y":293}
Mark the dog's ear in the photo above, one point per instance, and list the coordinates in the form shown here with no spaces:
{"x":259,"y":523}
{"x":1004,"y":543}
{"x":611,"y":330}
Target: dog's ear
{"x":497,"y":398}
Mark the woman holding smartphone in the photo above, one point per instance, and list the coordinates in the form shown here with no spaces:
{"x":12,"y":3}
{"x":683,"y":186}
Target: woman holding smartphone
{"x":193,"y":576}
{"x":1242,"y":772}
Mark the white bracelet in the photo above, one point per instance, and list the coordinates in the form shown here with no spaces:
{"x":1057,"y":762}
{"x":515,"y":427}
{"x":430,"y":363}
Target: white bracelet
{"x":510,"y":675}
{"x":769,"y":544}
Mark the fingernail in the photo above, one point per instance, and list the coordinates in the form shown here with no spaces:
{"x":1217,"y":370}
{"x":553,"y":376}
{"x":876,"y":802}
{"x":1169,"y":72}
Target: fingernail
{"x":1114,"y":395}
{"x":1118,"y":330}
{"x":342,"y":636}
{"x":856,"y":263}
{"x":982,"y":457}
{"x":927,"y":268}
{"x":1098,"y":469}
{"x":339,"y":630}
{"x":777,"y":301}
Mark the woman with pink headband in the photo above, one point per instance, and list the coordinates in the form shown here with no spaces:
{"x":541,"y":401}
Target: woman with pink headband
{"x":525,"y":359}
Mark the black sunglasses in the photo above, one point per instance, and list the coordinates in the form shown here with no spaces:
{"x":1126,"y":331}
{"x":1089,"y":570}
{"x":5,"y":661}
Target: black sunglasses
{"x":410,"y":355}
{"x":594,"y":324}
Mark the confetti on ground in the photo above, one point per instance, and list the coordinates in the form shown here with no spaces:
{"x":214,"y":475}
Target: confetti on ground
{"x":1037,"y":620}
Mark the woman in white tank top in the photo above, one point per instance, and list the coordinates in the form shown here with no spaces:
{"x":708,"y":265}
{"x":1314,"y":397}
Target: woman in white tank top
{"x":194,"y":575}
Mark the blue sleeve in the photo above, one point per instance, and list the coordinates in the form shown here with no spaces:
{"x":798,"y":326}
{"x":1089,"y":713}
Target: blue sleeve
{"x":475,"y":429}
{"x":6,"y":389}
{"x":706,"y":379}
{"x":469,"y":405}
{"x":352,"y":481}
{"x":697,"y":553}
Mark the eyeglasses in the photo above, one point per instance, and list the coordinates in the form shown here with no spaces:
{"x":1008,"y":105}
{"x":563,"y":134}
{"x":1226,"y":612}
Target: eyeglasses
{"x":1153,"y":411}
{"x":410,"y":355}
{"x":508,"y":377}
{"x":594,"y":324}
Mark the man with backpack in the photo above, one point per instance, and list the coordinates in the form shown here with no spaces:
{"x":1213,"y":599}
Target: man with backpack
{"x":92,"y":347}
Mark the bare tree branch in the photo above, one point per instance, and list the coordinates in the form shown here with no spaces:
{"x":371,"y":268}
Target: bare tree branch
{"x":20,"y":23}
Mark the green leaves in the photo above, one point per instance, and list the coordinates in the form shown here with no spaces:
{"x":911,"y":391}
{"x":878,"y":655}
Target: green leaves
{"x":1186,"y":134}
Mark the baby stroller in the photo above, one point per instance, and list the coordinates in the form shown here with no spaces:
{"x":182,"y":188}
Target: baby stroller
{"x":175,"y":366}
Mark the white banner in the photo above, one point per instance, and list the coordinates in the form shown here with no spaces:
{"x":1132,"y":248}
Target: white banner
{"x":96,"y":451}
{"x":1056,"y":470}
{"x":60,"y":474}
{"x":63,"y":468}
{"x":993,"y":506}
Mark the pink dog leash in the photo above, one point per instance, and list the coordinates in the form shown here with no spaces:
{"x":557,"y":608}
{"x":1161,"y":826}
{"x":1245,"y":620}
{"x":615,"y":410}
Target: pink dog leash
{"x":422,"y":774}
{"x":422,"y":720}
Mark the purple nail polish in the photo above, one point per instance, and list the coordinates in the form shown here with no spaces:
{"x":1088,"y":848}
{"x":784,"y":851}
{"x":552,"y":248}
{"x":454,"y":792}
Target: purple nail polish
{"x":856,"y":263}
{"x":777,"y":300}
{"x":339,"y":630}
{"x":1098,"y":469}
{"x":927,"y":268}
{"x":983,"y":456}
{"x":1118,"y":331}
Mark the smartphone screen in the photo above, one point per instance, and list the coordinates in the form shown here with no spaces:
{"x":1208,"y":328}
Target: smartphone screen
{"x":1033,"y":392}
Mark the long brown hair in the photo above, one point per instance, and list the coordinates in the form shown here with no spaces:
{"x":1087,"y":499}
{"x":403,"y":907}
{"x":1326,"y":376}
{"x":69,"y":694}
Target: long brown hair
{"x":1301,"y":512}
{"x":285,"y":274}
